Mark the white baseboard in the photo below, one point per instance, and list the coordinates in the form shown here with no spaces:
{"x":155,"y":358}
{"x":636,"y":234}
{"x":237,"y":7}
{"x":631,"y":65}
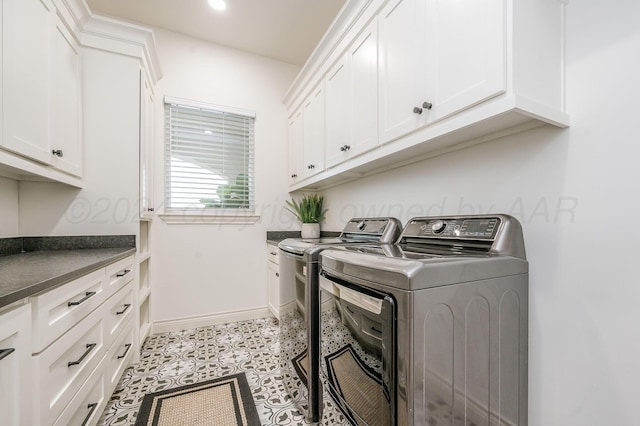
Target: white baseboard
{"x":188,"y":323}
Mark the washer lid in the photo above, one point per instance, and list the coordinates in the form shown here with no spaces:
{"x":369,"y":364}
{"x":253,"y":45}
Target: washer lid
{"x":349,"y":264}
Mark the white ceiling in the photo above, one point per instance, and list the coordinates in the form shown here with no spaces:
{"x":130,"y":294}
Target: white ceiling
{"x":286,"y":30}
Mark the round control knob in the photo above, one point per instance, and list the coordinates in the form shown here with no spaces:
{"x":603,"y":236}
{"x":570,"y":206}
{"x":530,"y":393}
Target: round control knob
{"x":438,"y":226}
{"x":361,"y":225}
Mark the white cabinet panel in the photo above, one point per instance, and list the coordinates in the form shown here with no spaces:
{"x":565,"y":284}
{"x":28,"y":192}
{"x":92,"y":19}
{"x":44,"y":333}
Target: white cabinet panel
{"x":313,"y":132}
{"x":15,"y":366}
{"x":146,"y":147}
{"x":273,"y":285}
{"x":364,"y":91}
{"x":26,"y":48}
{"x":66,"y":134}
{"x":57,"y":310}
{"x":402,"y":67}
{"x":466,"y":61}
{"x":338,"y":112}
{"x":295,"y":147}
{"x":438,"y":57}
{"x":63,"y":368}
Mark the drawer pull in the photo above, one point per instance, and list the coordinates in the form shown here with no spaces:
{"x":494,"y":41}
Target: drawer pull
{"x":272,"y":253}
{"x":126,"y":306}
{"x":90,"y":347}
{"x":91,"y":408}
{"x":278,"y":274}
{"x":6,"y":352}
{"x":376,"y":330}
{"x":87,"y":295}
{"x":126,"y":351}
{"x":123,"y":273}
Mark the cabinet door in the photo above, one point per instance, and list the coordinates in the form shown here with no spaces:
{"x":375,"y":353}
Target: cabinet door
{"x":66,"y":133}
{"x":313,"y":132}
{"x":402,"y":67}
{"x":338,"y":112}
{"x":26,"y":47}
{"x":146,"y":147}
{"x":364,"y":91}
{"x":15,"y":366}
{"x":466,"y":53}
{"x":273,"y":284}
{"x":295,"y":147}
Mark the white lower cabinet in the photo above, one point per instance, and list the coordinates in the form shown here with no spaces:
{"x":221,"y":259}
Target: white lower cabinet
{"x":87,"y":406}
{"x":83,"y":341}
{"x":119,"y":356}
{"x":273,"y":280}
{"x":15,"y":366}
{"x":62,"y":369}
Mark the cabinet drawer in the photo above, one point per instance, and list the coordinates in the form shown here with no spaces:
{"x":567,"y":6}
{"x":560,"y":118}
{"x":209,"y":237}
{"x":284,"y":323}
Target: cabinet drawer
{"x":119,"y":356}
{"x":15,"y":366}
{"x":118,"y":275}
{"x":273,"y":254}
{"x":57,"y":310}
{"x":87,"y":406}
{"x":63,"y":367}
{"x":118,"y":309}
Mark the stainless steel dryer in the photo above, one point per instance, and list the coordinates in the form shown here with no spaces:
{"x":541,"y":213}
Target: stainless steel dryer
{"x":431,"y":331}
{"x":301,"y":305}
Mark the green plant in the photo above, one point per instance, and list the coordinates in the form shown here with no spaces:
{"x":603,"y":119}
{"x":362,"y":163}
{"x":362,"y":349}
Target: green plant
{"x":308,"y":209}
{"x":232,"y":196}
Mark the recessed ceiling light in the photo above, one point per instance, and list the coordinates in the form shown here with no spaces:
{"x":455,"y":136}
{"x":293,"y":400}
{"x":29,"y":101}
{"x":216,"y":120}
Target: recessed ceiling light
{"x":218,"y":4}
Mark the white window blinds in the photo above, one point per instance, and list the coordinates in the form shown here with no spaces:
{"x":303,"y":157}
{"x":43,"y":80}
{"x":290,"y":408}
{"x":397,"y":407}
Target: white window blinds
{"x":208,"y":157}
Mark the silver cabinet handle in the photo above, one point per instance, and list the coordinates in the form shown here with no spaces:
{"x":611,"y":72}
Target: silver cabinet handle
{"x":425,"y":105}
{"x":345,"y":148}
{"x":57,"y":152}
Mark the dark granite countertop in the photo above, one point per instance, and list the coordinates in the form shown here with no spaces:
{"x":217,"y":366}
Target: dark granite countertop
{"x":31,"y":265}
{"x":274,"y":237}
{"x":27,"y":274}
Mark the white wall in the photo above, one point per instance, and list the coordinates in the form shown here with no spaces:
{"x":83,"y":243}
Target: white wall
{"x":9,"y":208}
{"x":576,"y":193}
{"x":213,"y":269}
{"x":108,"y":202}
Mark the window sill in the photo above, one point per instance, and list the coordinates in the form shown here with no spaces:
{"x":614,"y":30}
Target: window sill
{"x":203,"y":218}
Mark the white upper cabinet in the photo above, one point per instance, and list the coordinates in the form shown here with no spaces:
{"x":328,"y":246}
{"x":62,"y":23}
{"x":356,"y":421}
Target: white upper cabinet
{"x":431,"y":76}
{"x":352,"y":99}
{"x":338,"y":112}
{"x":66,"y":130}
{"x":313,"y":132}
{"x":26,"y":54}
{"x":295,"y":147}
{"x":438,"y":57}
{"x":146,"y":147}
{"x":41,"y":92}
{"x":403,"y":73}
{"x":363,"y":55}
{"x":466,"y":54}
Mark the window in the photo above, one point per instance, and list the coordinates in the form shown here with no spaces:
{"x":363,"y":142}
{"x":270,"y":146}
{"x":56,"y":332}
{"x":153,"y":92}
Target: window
{"x":208,"y":158}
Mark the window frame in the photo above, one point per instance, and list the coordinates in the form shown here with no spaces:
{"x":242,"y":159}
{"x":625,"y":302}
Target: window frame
{"x":204,"y":215}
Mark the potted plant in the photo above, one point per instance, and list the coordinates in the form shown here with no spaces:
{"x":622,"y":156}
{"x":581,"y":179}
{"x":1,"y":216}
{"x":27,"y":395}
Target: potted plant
{"x":308,"y":211}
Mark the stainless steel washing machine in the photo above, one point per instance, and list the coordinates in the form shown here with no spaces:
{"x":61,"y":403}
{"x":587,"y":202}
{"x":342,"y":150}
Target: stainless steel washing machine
{"x":301,"y":305}
{"x":433,"y":330}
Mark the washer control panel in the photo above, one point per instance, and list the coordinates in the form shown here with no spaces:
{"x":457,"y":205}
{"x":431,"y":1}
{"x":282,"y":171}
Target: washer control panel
{"x":477,"y":228}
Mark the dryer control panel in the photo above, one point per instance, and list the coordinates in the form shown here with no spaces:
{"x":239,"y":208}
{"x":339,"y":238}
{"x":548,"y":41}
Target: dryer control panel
{"x":476,"y":228}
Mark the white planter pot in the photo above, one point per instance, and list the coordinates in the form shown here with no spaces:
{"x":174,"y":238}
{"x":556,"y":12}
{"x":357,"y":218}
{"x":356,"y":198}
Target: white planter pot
{"x":310,"y":230}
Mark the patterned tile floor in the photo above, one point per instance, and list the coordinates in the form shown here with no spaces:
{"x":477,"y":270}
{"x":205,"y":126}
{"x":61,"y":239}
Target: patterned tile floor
{"x":180,"y":358}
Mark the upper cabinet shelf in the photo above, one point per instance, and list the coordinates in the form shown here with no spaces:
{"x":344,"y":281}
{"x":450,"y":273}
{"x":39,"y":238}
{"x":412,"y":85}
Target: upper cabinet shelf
{"x":41,"y":43}
{"x":405,"y":80}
